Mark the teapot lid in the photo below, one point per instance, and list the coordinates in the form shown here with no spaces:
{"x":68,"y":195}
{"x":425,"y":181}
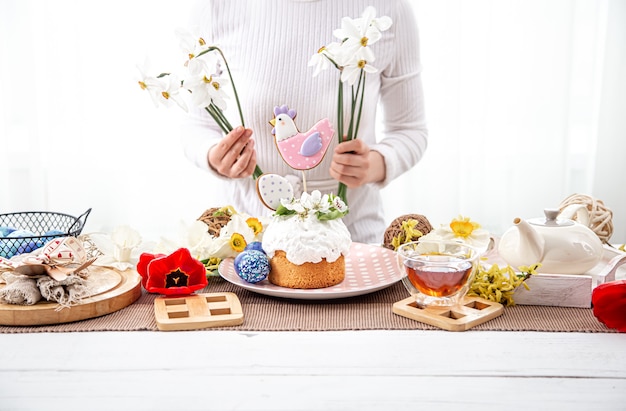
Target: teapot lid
{"x":551,"y":219}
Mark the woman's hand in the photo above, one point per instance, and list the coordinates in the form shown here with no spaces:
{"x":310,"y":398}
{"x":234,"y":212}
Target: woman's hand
{"x":234,"y":156}
{"x":354,"y":164}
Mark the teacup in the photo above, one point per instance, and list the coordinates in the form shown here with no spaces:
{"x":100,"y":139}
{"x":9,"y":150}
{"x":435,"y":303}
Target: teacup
{"x":437,"y":273}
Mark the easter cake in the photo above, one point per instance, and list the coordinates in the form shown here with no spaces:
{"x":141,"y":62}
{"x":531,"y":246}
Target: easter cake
{"x":307,"y":242}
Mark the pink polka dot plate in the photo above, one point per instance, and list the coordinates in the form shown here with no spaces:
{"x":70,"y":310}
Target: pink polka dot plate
{"x":369,"y":268}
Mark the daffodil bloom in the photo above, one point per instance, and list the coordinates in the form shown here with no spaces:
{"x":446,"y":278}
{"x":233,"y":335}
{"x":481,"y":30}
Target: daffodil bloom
{"x":120,"y":249}
{"x":169,"y":93}
{"x":352,"y":57}
{"x":207,"y":90}
{"x":462,"y":229}
{"x":237,"y":242}
{"x":194,"y":237}
{"x":204,"y":89}
{"x":194,"y":47}
{"x":324,"y":58}
{"x":357,"y":35}
{"x":351,"y":72}
{"x":255,"y":225}
{"x":149,"y":83}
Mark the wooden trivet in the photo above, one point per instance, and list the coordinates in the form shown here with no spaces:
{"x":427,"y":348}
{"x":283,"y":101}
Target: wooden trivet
{"x":197,"y":311}
{"x":469,"y":313}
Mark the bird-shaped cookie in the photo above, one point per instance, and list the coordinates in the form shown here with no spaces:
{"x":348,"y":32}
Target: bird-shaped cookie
{"x":301,"y":151}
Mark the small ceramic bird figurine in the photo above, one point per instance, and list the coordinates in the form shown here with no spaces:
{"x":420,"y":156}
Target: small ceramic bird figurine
{"x":301,"y":151}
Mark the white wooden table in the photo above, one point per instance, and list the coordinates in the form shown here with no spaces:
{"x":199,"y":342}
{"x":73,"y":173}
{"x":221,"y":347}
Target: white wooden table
{"x":360,"y":370}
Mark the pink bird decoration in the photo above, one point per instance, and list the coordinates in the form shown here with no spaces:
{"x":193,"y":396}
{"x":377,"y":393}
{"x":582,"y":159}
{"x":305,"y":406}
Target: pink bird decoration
{"x":301,"y":151}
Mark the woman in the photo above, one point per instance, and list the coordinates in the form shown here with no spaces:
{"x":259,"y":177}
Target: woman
{"x":268,"y":46}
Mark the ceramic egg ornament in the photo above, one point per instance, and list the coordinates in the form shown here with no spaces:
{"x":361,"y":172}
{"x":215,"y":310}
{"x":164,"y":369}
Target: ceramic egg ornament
{"x":252,"y":266}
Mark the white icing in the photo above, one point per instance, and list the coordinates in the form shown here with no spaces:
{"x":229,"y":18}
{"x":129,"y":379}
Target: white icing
{"x":308,"y":239}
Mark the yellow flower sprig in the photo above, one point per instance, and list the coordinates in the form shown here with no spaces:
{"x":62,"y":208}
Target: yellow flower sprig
{"x":499,"y":284}
{"x":408,"y":233}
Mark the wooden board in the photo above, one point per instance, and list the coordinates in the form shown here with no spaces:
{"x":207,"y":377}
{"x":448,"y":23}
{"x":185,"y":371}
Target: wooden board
{"x":112,"y":291}
{"x":198,"y":311}
{"x":471,"y":312}
{"x":568,"y":290}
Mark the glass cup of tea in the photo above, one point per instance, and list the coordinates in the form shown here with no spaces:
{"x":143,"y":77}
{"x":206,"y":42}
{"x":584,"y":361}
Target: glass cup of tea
{"x":437,"y":273}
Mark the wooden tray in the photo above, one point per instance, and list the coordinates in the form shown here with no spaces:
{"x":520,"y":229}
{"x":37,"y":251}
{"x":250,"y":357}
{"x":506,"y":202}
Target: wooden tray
{"x":568,"y":290}
{"x":198,"y":311}
{"x":112,"y":291}
{"x":471,"y":312}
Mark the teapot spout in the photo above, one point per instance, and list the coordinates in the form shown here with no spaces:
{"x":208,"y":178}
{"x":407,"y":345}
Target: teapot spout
{"x":521,"y":245}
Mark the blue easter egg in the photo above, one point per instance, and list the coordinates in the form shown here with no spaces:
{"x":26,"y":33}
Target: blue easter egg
{"x":54,"y":232}
{"x":28,"y":247}
{"x":252,"y":266}
{"x":5,"y":231}
{"x":21,"y":233}
{"x":255,"y":245}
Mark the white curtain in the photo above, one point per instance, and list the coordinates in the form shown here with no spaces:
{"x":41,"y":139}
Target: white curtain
{"x":526,"y":104}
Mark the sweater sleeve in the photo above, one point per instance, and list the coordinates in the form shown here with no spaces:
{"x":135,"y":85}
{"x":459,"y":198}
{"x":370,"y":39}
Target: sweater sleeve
{"x":404,"y":133}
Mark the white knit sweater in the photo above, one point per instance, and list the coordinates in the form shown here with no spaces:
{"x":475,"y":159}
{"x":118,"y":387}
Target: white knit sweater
{"x":268,"y":45}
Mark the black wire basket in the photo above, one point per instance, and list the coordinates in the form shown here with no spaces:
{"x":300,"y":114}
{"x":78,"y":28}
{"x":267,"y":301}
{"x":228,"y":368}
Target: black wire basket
{"x":43,"y":224}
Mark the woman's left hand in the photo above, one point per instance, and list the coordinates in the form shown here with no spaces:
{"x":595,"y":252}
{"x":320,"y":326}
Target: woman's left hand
{"x":354,"y":164}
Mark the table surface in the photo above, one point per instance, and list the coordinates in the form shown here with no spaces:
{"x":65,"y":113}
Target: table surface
{"x":339,"y":370}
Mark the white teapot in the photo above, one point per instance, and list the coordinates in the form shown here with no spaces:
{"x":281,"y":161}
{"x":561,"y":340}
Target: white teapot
{"x":561,"y":245}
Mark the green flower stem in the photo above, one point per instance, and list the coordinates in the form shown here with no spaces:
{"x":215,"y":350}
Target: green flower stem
{"x":217,"y":113}
{"x":358,"y":117}
{"x":233,"y":83}
{"x":356,"y":109}
{"x":218,"y":120}
{"x":340,"y":111}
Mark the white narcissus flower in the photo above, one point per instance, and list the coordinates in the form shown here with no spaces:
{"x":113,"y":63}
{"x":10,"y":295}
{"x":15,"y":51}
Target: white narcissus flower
{"x":194,"y":237}
{"x":463,"y":230}
{"x":125,"y":237}
{"x":171,"y":92}
{"x":121,"y":249}
{"x":193,"y":45}
{"x":352,"y":70}
{"x":324,"y":57}
{"x":149,"y":83}
{"x":206,"y":89}
{"x":359,"y":34}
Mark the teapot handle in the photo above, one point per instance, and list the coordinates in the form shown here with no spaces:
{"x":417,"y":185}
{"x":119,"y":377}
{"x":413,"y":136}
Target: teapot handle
{"x":578,"y":211}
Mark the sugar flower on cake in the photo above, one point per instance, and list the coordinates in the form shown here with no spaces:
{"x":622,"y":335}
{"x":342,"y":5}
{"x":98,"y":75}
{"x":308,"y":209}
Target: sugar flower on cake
{"x":464,"y":230}
{"x":353,"y":56}
{"x":324,"y":207}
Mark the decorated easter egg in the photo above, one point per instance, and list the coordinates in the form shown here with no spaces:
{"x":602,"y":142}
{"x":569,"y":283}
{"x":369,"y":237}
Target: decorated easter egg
{"x":271,"y":188}
{"x":5,"y":231}
{"x":54,"y":232}
{"x":21,"y":233}
{"x":255,"y":245}
{"x":27,"y":247}
{"x":252,"y":266}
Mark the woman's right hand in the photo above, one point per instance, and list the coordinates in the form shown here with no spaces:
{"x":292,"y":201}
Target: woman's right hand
{"x":234,"y":156}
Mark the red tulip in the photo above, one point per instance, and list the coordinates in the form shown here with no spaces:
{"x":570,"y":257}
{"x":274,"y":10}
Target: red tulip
{"x":609,"y":304}
{"x":175,"y":274}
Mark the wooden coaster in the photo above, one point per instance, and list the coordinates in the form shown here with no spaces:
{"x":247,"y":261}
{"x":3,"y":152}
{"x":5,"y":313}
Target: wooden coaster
{"x":470,"y":312}
{"x":197,"y":311}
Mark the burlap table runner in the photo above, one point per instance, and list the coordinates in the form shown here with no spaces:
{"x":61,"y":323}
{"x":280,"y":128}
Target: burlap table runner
{"x":367,"y":312}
